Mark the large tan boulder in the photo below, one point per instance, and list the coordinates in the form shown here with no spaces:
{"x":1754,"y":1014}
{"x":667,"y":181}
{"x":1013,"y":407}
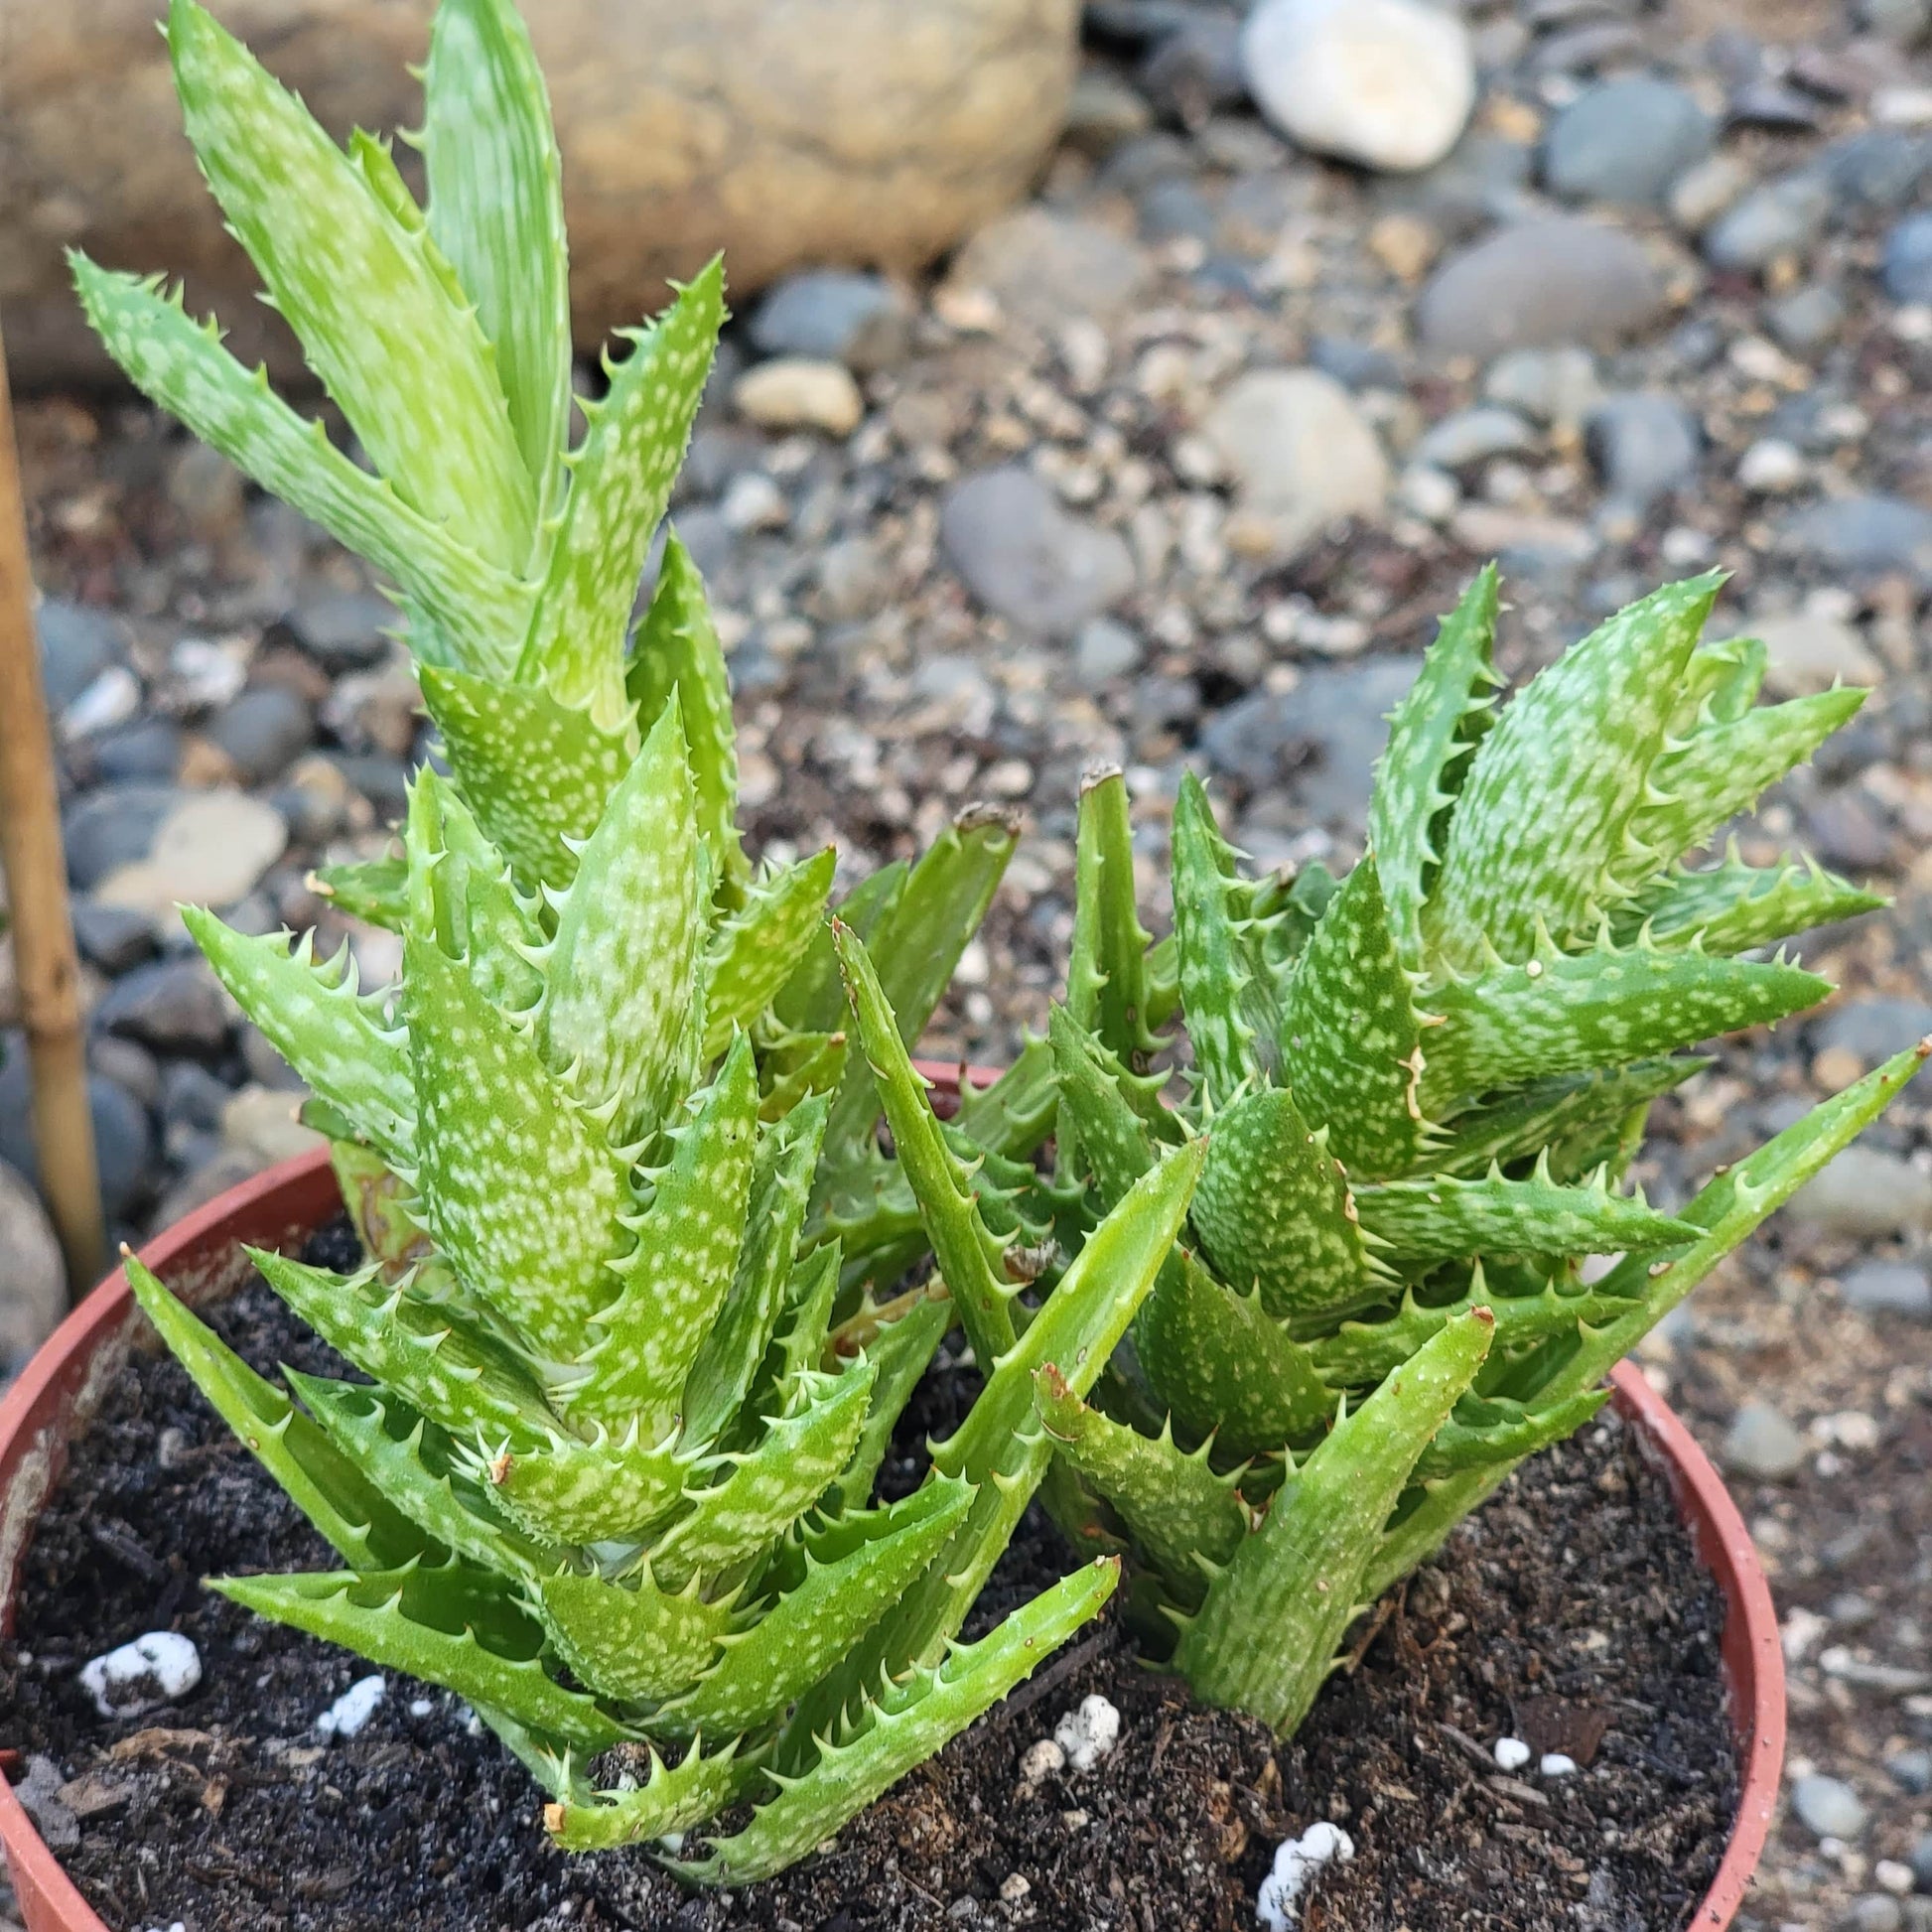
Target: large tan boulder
{"x":783,"y":131}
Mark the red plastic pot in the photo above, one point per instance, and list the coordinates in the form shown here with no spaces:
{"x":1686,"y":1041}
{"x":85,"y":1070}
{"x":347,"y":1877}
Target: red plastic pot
{"x":200,"y":1259}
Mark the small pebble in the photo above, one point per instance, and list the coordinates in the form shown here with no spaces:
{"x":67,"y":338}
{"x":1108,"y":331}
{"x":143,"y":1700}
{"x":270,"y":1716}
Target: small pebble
{"x":800,"y":392}
{"x":142,"y":1676}
{"x":1512,"y":1753}
{"x":354,"y":1709}
{"x":1894,"y":1876}
{"x":1089,"y":1734}
{"x":1042,"y":1757}
{"x":1770,"y":467}
{"x":1013,"y":1887}
{"x":1829,"y":1807}
{"x":1555,"y":1765}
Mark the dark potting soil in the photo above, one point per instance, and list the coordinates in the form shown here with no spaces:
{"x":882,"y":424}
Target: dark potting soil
{"x":1570,"y":1613}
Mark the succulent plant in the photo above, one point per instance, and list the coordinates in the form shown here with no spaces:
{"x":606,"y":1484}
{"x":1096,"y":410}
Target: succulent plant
{"x":1419,"y":1087}
{"x":610,"y":1478}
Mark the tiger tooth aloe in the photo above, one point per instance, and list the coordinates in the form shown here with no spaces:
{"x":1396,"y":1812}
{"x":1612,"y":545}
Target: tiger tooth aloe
{"x":1416,"y":1089}
{"x":443,"y":334}
{"x":610,"y":1477}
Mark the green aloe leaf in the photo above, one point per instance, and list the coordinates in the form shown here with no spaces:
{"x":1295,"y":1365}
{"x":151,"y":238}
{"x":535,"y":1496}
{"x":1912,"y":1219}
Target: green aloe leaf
{"x":1106,"y":990}
{"x":181,"y":365}
{"x":456,"y":1375}
{"x":673,"y":1281}
{"x":1110,"y":1142}
{"x":1223,"y":1368}
{"x":1361,"y":1353}
{"x":1527,"y":1122}
{"x":404,"y":359}
{"x":630,"y":1638}
{"x":669,"y":1800}
{"x":1274,"y":1213}
{"x":1431,"y":734}
{"x":1732,"y":907}
{"x":1175,"y":1506}
{"x":606,"y":1487}
{"x":1351,"y":1038}
{"x":340,"y":1043}
{"x":756,"y":946}
{"x":618,"y":972}
{"x":1728,"y":1209}
{"x":496,"y":212}
{"x":1569,"y":756}
{"x":375,"y":891}
{"x":728,"y":1359}
{"x":419,"y":1468}
{"x":1564,"y":1013}
{"x":917,"y":944}
{"x":1442,"y":1217}
{"x":969,"y":1258}
{"x":537,"y":772}
{"x":1266,"y":1637}
{"x":394,"y":1619}
{"x":356,"y":1518}
{"x":768,"y":1487}
{"x":813,"y":998}
{"x":1720,"y":771}
{"x":1214,"y":976}
{"x":620,"y":479}
{"x":678,"y":651}
{"x":852,"y":1569}
{"x":1480,"y":1433}
{"x":902,"y":1728}
{"x":898,"y":1350}
{"x":488,"y":920}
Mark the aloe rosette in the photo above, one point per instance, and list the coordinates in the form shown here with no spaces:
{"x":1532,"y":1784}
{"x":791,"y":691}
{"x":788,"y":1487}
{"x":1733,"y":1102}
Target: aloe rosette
{"x":610,"y":1477}
{"x":1420,"y":1087}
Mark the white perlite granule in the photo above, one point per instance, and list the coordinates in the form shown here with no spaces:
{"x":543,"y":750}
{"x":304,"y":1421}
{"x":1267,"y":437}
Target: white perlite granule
{"x":143,"y":1675}
{"x":354,"y":1709}
{"x":1512,"y":1753}
{"x":1088,"y":1735}
{"x":1296,"y":1861}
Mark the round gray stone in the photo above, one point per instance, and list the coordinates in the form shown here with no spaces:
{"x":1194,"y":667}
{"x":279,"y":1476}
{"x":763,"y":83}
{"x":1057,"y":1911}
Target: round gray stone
{"x":835,"y":315}
{"x":1829,"y":1807}
{"x":1865,"y":1192}
{"x":1762,"y":1443}
{"x":1472,"y":436}
{"x":1026,"y":557}
{"x":1868,"y":534}
{"x":264,"y":731}
{"x":1625,"y":141}
{"x":176,"y":1006}
{"x":1909,"y":260}
{"x":1538,"y":285}
{"x":1780,"y":217}
{"x":33,"y":1278}
{"x":1897,"y":1288}
{"x":76,"y":646}
{"x":1644,"y":444}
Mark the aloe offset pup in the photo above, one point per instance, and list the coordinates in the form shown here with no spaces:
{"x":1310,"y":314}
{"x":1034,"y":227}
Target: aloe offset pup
{"x":1420,"y":1087}
{"x":610,"y":1477}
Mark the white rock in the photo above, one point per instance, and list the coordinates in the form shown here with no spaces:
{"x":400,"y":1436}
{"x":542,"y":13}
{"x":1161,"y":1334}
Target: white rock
{"x":1295,"y":1859}
{"x":142,"y":1676}
{"x":421,"y":1706}
{"x":797,"y":392}
{"x":1088,"y":1735}
{"x":1428,"y":492}
{"x":1044,"y":1757}
{"x":1892,"y":1876}
{"x":1386,"y":83}
{"x":1772,"y":465}
{"x":354,"y":1707}
{"x":1301,"y":452}
{"x":1557,"y":1765}
{"x":1512,"y":1753}
{"x":210,"y":850}
{"x":111,"y":699}
{"x":752,"y":501}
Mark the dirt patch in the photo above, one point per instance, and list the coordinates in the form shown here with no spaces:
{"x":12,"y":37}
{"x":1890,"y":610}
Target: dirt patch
{"x":1571,"y":1613}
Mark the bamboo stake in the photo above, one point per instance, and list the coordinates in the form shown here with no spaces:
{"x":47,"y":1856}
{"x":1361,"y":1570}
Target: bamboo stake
{"x":37,"y":891}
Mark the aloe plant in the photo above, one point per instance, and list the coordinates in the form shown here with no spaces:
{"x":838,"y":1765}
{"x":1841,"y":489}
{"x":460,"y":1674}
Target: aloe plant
{"x":610,"y":1477}
{"x":443,"y":335}
{"x":1419,"y":1088}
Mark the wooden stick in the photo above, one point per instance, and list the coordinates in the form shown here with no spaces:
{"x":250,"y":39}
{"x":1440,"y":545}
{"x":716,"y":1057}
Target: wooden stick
{"x":37,"y":892}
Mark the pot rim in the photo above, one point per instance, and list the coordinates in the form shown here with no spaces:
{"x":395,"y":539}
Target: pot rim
{"x":295,"y":1195}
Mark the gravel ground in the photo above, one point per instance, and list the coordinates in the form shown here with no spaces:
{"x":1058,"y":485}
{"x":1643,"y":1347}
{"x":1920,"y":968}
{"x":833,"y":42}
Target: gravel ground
{"x":1178,"y":464}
